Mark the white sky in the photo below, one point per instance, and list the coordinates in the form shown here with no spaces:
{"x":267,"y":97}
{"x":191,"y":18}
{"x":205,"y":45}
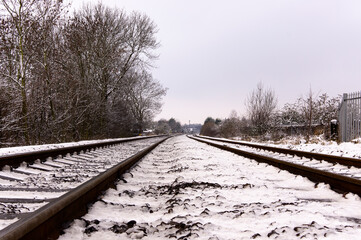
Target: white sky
{"x":213,"y":53}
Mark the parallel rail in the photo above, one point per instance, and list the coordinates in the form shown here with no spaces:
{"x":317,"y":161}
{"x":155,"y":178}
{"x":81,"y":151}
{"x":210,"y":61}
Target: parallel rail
{"x":336,"y":181}
{"x":29,"y":157}
{"x":48,"y":221}
{"x":347,"y":161}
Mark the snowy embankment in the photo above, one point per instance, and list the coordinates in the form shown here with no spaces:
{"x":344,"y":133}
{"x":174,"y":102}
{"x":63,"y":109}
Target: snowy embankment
{"x":189,"y":190}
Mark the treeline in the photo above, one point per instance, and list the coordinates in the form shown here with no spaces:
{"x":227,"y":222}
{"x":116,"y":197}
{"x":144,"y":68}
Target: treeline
{"x":308,"y":115}
{"x":164,"y":126}
{"x":66,"y":77}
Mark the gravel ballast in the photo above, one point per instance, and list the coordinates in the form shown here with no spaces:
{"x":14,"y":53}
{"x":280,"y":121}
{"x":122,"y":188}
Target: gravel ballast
{"x":188,"y":190}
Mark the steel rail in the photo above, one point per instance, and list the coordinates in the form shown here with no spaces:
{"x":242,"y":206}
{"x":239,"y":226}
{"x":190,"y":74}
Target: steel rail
{"x":29,"y":157}
{"x":337,"y":182}
{"x":347,"y":161}
{"x":48,"y":221}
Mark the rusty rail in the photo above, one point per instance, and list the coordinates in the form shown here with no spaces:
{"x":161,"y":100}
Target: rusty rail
{"x":48,"y":221}
{"x":347,"y":161}
{"x":29,"y":157}
{"x":337,"y":182}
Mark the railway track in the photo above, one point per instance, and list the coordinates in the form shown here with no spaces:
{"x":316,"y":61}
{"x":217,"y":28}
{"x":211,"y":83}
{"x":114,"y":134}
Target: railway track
{"x":53,"y":186}
{"x":184,"y":190}
{"x":347,"y":161}
{"x":14,"y":160}
{"x":339,"y":172}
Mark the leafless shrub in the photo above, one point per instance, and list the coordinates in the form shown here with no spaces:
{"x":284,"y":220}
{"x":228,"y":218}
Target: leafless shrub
{"x":261,"y":104}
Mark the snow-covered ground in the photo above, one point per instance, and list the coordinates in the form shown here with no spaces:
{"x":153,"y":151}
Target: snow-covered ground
{"x":343,"y":149}
{"x":189,"y":190}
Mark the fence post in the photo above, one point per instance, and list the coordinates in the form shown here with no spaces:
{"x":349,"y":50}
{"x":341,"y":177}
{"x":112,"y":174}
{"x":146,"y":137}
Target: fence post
{"x":343,"y":118}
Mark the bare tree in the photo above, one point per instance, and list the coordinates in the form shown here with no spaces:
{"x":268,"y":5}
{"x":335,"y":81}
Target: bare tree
{"x":74,"y":77}
{"x":327,"y":110}
{"x":210,"y":127}
{"x":19,"y":13}
{"x":25,"y":22}
{"x":175,"y":126}
{"x":318,"y":110}
{"x":290,"y":114}
{"x":162,"y":127}
{"x":45,"y":95}
{"x":231,"y":126}
{"x":308,"y":108}
{"x":261,"y":104}
{"x":143,"y":95}
{"x":311,"y":111}
{"x":105,"y":45}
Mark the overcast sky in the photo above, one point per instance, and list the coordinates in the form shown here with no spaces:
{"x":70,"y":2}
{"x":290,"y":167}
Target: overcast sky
{"x":213,"y":53}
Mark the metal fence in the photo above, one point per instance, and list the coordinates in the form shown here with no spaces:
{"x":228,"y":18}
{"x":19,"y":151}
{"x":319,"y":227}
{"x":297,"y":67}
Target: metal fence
{"x":350,"y":116}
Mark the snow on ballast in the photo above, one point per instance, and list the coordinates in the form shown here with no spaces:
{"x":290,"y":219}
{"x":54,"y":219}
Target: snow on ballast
{"x":333,"y":167}
{"x":189,"y":190}
{"x":26,"y":188}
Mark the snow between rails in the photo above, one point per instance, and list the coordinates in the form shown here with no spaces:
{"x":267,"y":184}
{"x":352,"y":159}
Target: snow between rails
{"x":189,"y":190}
